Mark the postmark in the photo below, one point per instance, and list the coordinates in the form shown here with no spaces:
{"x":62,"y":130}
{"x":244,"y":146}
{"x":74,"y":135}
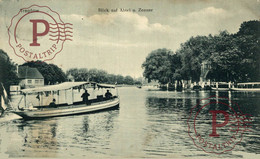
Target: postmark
{"x":37,"y":33}
{"x":216,"y":125}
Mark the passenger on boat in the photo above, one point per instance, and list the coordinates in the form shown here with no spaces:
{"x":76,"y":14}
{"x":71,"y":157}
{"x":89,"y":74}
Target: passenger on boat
{"x":108,"y":95}
{"x":53,"y":104}
{"x":84,"y":97}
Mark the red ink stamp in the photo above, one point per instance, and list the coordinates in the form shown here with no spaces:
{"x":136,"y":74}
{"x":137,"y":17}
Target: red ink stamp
{"x":38,"y":33}
{"x":216,"y":124}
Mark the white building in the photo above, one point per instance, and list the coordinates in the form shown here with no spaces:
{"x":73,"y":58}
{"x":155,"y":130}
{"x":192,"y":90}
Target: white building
{"x":29,"y":77}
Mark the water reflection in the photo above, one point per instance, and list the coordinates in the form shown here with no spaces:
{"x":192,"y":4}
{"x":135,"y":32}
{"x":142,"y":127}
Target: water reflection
{"x":34,"y":139}
{"x":65,"y":136}
{"x":148,"y":124}
{"x":168,"y":116}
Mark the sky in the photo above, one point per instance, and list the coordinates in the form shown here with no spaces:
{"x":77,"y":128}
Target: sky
{"x":119,"y":42}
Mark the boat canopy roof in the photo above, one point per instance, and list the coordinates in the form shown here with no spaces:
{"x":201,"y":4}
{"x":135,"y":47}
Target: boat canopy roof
{"x":63,"y":86}
{"x":105,"y":85}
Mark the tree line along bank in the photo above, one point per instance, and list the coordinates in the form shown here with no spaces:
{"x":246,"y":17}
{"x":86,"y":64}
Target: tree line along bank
{"x":228,"y":57}
{"x":53,"y":74}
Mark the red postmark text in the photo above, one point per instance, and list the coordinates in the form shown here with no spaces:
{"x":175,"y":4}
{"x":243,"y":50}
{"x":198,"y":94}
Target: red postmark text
{"x":217,"y":125}
{"x":38,"y":33}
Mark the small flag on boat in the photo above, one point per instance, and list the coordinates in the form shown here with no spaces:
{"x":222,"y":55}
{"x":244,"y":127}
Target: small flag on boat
{"x":38,"y":96}
{"x":3,"y":103}
{"x":4,"y":91}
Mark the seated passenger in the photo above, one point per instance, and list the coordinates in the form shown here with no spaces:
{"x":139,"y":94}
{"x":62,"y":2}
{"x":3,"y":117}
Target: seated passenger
{"x":53,"y":104}
{"x":108,"y":95}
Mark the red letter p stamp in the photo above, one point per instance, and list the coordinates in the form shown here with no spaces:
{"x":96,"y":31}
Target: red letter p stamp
{"x":216,"y":125}
{"x":38,"y":33}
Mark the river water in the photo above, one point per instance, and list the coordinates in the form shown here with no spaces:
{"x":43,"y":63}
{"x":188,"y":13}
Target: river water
{"x":149,"y":123}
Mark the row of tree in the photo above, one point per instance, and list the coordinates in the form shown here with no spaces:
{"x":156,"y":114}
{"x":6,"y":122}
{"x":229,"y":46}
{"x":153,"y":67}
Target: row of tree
{"x":231,"y":57}
{"x":53,"y":74}
{"x":100,"y":76}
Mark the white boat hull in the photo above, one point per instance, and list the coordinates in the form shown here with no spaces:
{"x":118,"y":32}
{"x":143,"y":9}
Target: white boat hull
{"x":246,"y":89}
{"x":68,"y":110}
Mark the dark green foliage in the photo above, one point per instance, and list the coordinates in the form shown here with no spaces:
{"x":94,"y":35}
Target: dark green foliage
{"x":192,"y":53}
{"x":248,"y":42}
{"x":8,"y":75}
{"x":129,"y":80}
{"x":232,"y":57}
{"x":161,"y":65}
{"x":99,"y":76}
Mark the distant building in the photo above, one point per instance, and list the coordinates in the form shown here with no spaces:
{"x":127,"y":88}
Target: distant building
{"x":71,"y":78}
{"x":30,"y":77}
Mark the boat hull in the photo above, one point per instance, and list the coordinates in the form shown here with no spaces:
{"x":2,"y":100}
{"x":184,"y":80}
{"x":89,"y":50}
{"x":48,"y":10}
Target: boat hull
{"x":68,"y":110}
{"x":246,"y":89}
{"x":220,"y":89}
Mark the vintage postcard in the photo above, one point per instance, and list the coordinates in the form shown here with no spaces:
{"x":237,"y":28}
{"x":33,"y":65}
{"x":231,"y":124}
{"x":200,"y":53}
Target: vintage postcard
{"x":129,"y":79}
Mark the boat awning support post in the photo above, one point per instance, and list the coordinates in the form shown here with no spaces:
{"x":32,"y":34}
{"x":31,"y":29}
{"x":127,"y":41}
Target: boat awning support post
{"x":25,"y":100}
{"x":39,"y":96}
{"x":58,"y":99}
{"x":72,"y":95}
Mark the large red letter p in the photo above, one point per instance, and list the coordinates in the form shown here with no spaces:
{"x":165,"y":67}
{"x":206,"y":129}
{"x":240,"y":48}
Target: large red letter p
{"x":214,"y":121}
{"x":35,"y":33}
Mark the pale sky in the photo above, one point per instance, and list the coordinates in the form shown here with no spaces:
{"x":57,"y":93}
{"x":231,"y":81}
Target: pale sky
{"x":119,"y":42}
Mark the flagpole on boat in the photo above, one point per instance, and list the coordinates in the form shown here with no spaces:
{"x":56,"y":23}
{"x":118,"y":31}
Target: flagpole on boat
{"x":116,"y":89}
{"x":3,"y":104}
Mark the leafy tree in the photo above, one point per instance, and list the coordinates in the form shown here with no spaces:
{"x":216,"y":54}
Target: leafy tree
{"x":102,"y":76}
{"x":78,"y":74}
{"x":129,"y":80}
{"x":232,"y":57}
{"x":120,"y":79}
{"x":224,"y":58}
{"x":250,"y":28}
{"x":111,"y":79}
{"x":99,"y":76}
{"x":138,"y":83}
{"x":8,"y":75}
{"x":248,"y":38}
{"x":157,"y":66}
{"x":241,"y":50}
{"x":192,"y":54}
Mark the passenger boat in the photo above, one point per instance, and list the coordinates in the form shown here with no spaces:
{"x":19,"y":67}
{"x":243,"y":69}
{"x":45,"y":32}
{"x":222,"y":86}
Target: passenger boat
{"x":250,"y":86}
{"x":221,"y":86}
{"x":68,"y":97}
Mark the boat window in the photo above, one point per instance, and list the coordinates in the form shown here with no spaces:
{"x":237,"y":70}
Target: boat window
{"x":29,"y":81}
{"x":223,"y":86}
